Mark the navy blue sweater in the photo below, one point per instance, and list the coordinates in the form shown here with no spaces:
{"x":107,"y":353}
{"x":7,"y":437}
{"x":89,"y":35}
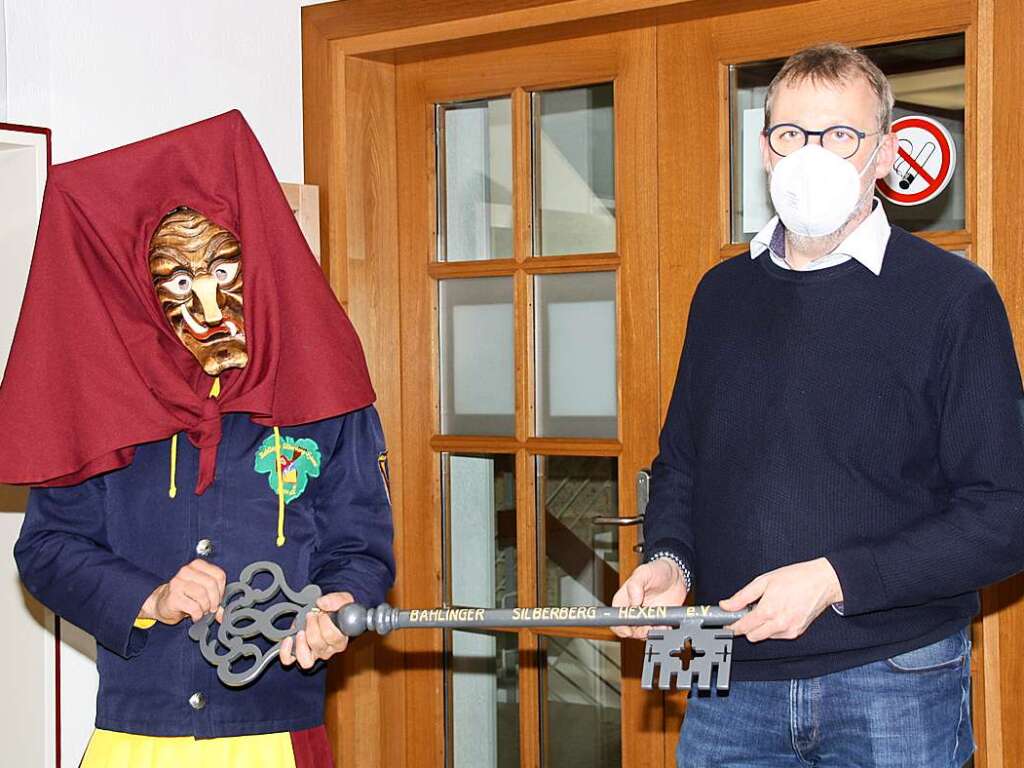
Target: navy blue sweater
{"x":872,"y":420}
{"x":93,"y":552}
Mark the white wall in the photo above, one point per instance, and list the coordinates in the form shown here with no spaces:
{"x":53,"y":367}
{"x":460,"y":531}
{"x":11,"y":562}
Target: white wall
{"x":99,"y":75}
{"x":3,"y":66}
{"x":108,"y":72}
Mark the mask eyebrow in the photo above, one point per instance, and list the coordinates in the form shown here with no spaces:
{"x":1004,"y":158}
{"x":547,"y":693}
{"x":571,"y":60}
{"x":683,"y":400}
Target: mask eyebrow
{"x":166,"y":261}
{"x":223,"y":245}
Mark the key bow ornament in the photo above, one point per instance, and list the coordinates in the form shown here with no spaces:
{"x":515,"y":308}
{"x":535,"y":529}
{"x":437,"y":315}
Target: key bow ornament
{"x":226,"y":646}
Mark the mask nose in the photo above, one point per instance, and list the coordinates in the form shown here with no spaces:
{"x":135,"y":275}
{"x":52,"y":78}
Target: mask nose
{"x":205,"y":289}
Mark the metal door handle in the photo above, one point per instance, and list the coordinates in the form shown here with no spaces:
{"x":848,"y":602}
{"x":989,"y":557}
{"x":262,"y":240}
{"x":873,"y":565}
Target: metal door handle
{"x":603,"y":520}
{"x":643,"y":495}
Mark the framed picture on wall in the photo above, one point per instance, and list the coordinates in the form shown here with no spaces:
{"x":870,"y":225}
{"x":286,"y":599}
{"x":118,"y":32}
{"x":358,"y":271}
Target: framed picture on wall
{"x":32,"y":632}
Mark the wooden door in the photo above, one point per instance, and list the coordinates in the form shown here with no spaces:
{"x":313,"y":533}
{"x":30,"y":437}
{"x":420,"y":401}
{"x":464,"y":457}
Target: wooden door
{"x":704,"y":66}
{"x":528,"y":279}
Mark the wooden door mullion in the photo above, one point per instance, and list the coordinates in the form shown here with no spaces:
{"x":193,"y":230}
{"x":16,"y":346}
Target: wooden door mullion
{"x":522,"y":176}
{"x":421,"y":576}
{"x":527,"y":578}
{"x":527,"y":537}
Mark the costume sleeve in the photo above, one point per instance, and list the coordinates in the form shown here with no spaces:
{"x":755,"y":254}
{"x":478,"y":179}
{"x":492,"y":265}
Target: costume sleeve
{"x":65,"y":561}
{"x":668,"y":518}
{"x":353,"y":514}
{"x":977,"y":538}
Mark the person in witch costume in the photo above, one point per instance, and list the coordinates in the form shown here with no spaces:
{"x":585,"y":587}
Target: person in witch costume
{"x":176,"y":328}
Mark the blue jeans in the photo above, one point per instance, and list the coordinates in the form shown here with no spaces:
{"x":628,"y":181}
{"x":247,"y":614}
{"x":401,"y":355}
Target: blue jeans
{"x":909,"y":711}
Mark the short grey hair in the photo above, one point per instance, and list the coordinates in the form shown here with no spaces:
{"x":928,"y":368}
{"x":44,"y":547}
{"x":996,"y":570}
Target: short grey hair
{"x":833,"y":64}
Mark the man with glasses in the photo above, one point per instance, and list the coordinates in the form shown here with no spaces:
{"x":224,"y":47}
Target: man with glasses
{"x":842,"y":453}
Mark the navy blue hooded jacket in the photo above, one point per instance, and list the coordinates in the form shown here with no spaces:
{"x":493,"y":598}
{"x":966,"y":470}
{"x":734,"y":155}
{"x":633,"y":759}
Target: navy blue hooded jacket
{"x":94,"y":552}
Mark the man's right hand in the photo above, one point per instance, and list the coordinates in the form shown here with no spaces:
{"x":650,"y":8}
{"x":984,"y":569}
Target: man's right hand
{"x":659,"y":582}
{"x":195,"y":590}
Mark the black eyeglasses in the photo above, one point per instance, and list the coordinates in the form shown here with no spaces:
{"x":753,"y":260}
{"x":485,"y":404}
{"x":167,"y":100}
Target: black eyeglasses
{"x":842,"y":140}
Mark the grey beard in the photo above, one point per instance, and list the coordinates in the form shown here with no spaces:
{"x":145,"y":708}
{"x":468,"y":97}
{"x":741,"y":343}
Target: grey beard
{"x":823,"y":244}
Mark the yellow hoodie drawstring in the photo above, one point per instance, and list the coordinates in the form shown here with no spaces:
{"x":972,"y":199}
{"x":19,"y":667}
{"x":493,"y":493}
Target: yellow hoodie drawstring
{"x":172,"y":489}
{"x":280,"y":488}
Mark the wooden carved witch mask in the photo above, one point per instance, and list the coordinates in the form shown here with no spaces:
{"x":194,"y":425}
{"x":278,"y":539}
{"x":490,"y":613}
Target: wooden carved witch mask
{"x":197,"y":272}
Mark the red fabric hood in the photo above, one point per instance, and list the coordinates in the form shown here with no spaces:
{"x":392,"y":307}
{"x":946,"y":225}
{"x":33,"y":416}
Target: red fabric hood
{"x":95,"y":367}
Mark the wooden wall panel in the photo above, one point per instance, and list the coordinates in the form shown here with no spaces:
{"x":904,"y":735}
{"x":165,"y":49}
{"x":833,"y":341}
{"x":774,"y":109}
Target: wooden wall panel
{"x":366,"y":686}
{"x":370,"y":26}
{"x":688,"y":180}
{"x":1004,"y":606}
{"x":304,"y":200}
{"x":421,"y":584}
{"x":320,"y":112}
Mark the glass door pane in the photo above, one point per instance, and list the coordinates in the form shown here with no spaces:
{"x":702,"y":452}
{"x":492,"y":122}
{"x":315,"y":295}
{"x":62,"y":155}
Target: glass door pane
{"x":477,"y":356}
{"x":581,"y":678}
{"x":474,"y":191}
{"x":482,"y":684}
{"x":927,"y":78}
{"x":484,"y":699}
{"x":574,"y":171}
{"x":582,"y":689}
{"x":580,"y":555}
{"x":577,"y":385}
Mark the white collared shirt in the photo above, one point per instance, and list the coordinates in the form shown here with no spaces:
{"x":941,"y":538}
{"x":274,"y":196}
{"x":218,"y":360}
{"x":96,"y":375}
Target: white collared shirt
{"x":866,"y":244}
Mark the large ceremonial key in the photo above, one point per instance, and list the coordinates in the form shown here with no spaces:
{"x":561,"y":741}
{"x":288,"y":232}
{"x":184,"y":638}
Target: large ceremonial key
{"x":675,"y":628}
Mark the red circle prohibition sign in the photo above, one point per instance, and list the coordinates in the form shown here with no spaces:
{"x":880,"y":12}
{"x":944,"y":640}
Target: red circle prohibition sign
{"x":934,"y":183}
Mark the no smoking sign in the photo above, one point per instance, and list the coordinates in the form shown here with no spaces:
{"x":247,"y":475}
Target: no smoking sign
{"x":925,"y":161}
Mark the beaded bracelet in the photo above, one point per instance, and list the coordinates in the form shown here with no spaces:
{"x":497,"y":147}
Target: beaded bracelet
{"x":666,"y":555}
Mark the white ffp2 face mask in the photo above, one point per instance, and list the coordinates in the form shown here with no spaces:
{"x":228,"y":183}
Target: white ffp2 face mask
{"x":815,"y":191}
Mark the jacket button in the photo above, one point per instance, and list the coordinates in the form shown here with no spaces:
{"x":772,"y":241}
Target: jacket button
{"x":197,"y":700}
{"x":204,"y":548}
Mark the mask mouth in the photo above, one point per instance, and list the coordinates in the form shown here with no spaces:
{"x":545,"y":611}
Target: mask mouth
{"x":205,"y":333}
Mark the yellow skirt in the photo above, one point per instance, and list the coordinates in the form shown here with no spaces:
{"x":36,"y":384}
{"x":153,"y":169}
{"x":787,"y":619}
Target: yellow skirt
{"x":109,"y":749}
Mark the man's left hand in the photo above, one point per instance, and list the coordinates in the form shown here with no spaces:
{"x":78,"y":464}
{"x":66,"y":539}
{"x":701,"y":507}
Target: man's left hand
{"x":788,"y":600}
{"x":321,"y":639}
